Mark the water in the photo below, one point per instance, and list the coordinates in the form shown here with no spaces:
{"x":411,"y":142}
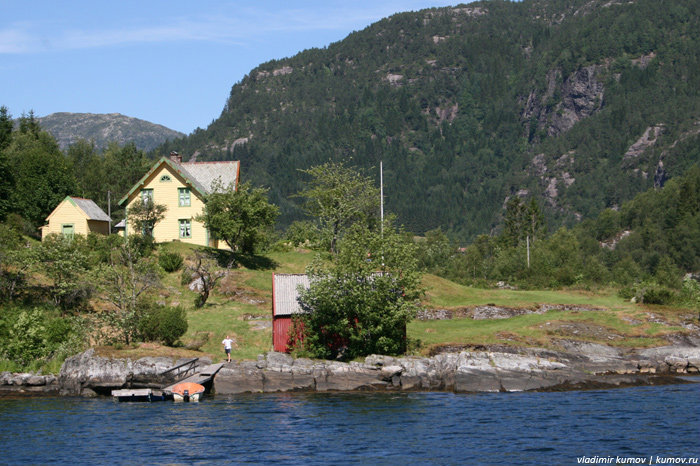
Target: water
{"x":356,"y":428}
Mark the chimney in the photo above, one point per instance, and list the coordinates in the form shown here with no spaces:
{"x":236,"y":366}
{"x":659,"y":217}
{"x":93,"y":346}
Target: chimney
{"x":175,"y":157}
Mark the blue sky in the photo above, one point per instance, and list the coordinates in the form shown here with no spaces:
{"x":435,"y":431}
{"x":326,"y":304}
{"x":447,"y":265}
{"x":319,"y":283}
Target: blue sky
{"x":169,"y":62}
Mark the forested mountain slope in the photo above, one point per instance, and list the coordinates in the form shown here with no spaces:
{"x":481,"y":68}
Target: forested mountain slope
{"x":580,"y":104}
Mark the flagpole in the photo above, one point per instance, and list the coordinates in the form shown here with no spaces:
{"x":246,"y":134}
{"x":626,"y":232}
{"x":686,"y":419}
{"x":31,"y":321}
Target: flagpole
{"x":381,"y":194}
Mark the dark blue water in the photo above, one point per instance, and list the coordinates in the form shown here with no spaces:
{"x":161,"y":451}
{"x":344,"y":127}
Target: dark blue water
{"x":356,"y":428}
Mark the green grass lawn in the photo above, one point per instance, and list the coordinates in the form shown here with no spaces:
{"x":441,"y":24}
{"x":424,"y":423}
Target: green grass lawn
{"x":241,"y":308}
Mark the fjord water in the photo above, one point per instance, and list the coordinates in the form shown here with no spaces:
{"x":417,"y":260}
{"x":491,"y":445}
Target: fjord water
{"x":356,"y":428}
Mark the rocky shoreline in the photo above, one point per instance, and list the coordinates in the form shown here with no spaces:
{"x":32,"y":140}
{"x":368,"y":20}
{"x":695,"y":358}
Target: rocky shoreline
{"x":495,"y":369}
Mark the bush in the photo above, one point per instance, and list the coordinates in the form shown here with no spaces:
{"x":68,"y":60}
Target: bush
{"x":186,"y":277}
{"x":170,"y":261}
{"x":648,"y":292}
{"x":144,"y":244}
{"x":165,"y":324}
{"x":36,"y":336}
{"x":657,"y":295}
{"x":302,"y":233}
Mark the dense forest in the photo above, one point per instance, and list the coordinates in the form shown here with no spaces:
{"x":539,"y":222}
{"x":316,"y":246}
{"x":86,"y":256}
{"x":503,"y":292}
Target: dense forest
{"x":578,"y":104}
{"x":647,"y":248}
{"x":537,"y":144}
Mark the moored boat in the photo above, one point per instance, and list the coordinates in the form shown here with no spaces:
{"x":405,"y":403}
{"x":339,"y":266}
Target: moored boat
{"x":188,"y":391}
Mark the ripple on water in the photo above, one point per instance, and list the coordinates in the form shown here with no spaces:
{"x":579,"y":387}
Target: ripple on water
{"x":356,"y":428}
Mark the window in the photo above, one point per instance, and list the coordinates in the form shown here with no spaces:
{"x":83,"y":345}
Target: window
{"x":165,"y":178}
{"x":185,"y":228}
{"x":184,"y":196}
{"x":147,"y":196}
{"x":68,"y":230}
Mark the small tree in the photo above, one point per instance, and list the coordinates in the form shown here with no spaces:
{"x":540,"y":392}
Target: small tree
{"x":16,"y":260}
{"x":145,"y":215}
{"x":361,"y":303}
{"x":66,"y":263}
{"x":206,"y":274}
{"x":123,"y":281}
{"x":521,"y":221}
{"x":242,"y":217}
{"x":340,"y":197}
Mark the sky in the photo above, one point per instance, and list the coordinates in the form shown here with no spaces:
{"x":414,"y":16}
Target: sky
{"x":168,"y":62}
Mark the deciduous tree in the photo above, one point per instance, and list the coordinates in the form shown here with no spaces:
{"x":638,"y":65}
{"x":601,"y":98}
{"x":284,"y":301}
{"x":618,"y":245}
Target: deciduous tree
{"x":339,"y":196}
{"x":242,"y":216}
{"x":143,"y":216}
{"x":361,"y":302}
{"x":124,"y":282}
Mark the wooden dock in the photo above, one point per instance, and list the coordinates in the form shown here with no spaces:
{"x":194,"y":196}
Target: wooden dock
{"x":202,"y":376}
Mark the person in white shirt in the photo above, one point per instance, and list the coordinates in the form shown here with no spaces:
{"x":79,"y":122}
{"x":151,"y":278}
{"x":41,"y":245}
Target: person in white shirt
{"x":227,"y":347}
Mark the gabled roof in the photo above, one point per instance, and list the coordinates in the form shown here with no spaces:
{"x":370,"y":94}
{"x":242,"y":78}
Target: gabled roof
{"x":285,"y":291}
{"x":91,"y":210}
{"x":200,"y":176}
{"x":206,"y":173}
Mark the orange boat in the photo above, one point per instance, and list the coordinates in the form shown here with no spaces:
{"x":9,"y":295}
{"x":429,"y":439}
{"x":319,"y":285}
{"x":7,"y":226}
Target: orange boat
{"x":188,"y":391}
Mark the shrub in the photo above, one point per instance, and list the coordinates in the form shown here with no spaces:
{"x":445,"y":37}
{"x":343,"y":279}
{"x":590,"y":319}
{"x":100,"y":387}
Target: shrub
{"x":144,"y":244}
{"x":170,"y":261}
{"x":164,"y":323}
{"x":302,"y":233}
{"x":657,"y":295}
{"x":186,"y":277}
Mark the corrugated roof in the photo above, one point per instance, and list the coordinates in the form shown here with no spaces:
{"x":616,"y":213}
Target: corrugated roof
{"x":206,"y":173}
{"x":286,"y":291}
{"x":91,"y":209}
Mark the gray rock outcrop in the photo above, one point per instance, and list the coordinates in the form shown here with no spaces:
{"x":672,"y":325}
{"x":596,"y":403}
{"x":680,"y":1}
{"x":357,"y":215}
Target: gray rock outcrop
{"x":88,"y":374}
{"x":481,"y":371}
{"x":28,"y":383}
{"x":499,"y":368}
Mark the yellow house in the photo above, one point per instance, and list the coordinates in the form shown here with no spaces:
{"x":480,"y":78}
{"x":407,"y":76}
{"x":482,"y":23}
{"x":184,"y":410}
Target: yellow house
{"x":181,"y":187}
{"x":75,"y":215}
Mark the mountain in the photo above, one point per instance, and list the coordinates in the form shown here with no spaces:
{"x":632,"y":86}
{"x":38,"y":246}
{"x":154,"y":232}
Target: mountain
{"x":67,"y":128}
{"x":580,"y":104}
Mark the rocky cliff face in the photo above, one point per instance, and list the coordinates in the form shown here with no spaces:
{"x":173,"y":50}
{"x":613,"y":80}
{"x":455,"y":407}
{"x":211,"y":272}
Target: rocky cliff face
{"x":564,"y":102}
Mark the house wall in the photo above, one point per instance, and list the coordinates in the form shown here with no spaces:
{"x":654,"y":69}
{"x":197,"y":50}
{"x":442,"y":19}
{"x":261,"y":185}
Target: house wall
{"x":66,"y":213}
{"x":166,"y":193}
{"x":98,"y":226}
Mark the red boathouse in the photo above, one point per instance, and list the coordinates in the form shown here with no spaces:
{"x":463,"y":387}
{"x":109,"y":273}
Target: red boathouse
{"x":285,"y":291}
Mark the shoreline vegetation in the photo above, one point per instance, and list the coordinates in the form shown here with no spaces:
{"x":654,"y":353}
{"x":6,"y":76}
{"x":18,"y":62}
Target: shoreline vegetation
{"x":533,"y":339}
{"x":458,"y":320}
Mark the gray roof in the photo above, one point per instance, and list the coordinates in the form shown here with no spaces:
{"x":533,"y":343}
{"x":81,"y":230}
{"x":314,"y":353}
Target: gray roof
{"x":204,"y":174}
{"x":285,"y":291}
{"x":91,"y":209}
